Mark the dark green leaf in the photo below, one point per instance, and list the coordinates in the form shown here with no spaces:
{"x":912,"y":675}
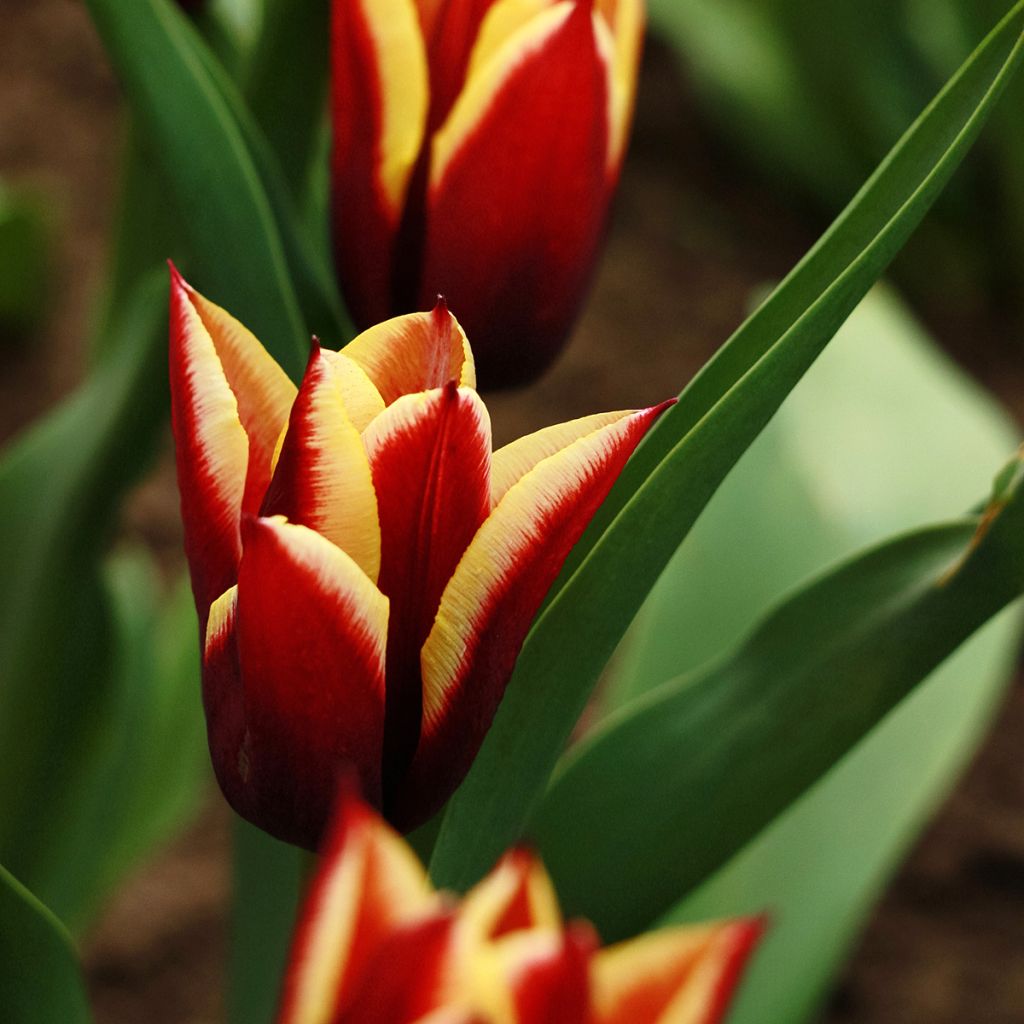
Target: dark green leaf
{"x":227,"y":218}
{"x":692,"y":772}
{"x":267,"y":878}
{"x":286,"y":84}
{"x":39,"y":977}
{"x":60,"y":485}
{"x":688,"y":454}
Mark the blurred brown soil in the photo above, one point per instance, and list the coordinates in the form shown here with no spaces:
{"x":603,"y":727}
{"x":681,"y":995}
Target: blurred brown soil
{"x":692,"y":236}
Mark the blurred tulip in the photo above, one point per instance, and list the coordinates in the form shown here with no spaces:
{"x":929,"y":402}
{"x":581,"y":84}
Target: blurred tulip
{"x":477,"y":144}
{"x":365,"y":570}
{"x":376,"y":945}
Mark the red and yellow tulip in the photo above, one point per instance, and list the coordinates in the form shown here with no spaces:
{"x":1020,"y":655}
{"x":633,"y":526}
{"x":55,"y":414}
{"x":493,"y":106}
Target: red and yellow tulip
{"x":364,"y":567}
{"x":376,"y":944}
{"x":477,"y":144}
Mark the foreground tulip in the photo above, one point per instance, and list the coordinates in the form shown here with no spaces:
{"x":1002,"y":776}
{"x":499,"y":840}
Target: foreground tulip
{"x":365,"y":570}
{"x":477,"y":144}
{"x":376,"y":945}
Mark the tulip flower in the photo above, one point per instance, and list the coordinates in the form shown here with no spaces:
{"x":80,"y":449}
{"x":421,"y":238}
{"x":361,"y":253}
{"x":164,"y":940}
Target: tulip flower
{"x":477,"y":144}
{"x":364,"y":568}
{"x":376,"y":945}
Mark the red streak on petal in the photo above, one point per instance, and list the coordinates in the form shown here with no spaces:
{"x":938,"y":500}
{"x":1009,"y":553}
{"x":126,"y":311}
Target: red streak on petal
{"x":450,"y":46}
{"x":363,"y":228}
{"x":312,"y":680}
{"x":433,"y":492}
{"x":514,"y":225}
{"x":505,"y":613}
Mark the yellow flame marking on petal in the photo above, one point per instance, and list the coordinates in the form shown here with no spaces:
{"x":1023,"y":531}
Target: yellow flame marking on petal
{"x":401,"y":54}
{"x":515,"y":460}
{"x":486,"y":83}
{"x":493,"y":555}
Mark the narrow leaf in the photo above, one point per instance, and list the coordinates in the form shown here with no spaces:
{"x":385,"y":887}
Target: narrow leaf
{"x":227,"y":218}
{"x":689,"y":774}
{"x":686,"y":457}
{"x":39,"y":977}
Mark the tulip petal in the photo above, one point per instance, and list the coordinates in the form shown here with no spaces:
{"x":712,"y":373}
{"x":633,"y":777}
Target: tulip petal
{"x":407,"y":981}
{"x":455,"y":28}
{"x":627,"y":21}
{"x":223,"y":700}
{"x":413,"y":353}
{"x":533,"y":977}
{"x":312,"y":631}
{"x":430,"y":458}
{"x":362,"y":399}
{"x":490,"y":601}
{"x":368,"y":884}
{"x":322,"y":479}
{"x":516,"y":459}
{"x":674,"y":976}
{"x":504,"y":19}
{"x":535,"y":209}
{"x":261,"y":388}
{"x":516,"y":895}
{"x":227,"y":396}
{"x":379,"y":97}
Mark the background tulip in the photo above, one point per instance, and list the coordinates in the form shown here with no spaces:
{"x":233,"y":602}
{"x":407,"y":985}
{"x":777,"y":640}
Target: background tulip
{"x":376,"y":945}
{"x":477,"y":144}
{"x":365,"y":570}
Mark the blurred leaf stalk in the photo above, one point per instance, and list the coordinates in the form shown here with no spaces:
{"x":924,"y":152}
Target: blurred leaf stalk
{"x":795,"y":686}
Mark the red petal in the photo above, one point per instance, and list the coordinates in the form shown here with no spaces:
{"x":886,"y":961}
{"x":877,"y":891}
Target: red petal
{"x":490,"y":602}
{"x":450,"y":45}
{"x":518,"y":192}
{"x":223,"y":702}
{"x":229,"y":402}
{"x":681,"y":975}
{"x":379,"y":95}
{"x":311,"y":638}
{"x":406,"y":979}
{"x":430,"y":457}
{"x":552,"y":986}
{"x":323,"y":477}
{"x":368,"y":889}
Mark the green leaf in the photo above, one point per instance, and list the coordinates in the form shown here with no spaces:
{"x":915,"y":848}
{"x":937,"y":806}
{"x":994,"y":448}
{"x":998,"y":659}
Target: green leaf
{"x":24,"y":262}
{"x":267,"y":878}
{"x":826,"y":478}
{"x":692,"y":772}
{"x":286,"y":84}
{"x":310,"y":271}
{"x":39,"y":975}
{"x":688,"y":454}
{"x":144,"y":771}
{"x":820,"y":866}
{"x":227,"y":218}
{"x":60,"y":485}
{"x":859,"y":450}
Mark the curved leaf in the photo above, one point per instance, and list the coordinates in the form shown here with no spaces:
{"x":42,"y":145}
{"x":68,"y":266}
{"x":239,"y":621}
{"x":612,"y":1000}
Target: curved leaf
{"x":674,"y":473}
{"x":226,"y":215}
{"x":689,"y":774}
{"x":39,"y":975}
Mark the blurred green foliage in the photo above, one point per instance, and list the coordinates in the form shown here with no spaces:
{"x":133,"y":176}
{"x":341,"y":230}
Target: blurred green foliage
{"x":815,"y":94}
{"x":24,"y":263}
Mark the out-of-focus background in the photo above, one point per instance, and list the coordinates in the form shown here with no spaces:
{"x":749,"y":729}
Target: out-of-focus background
{"x":708,"y":213}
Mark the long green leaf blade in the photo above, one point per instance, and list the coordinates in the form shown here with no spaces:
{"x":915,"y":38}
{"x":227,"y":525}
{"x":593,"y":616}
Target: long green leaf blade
{"x":674,"y":474}
{"x":227,"y":218}
{"x":39,"y":976}
{"x":692,"y":772}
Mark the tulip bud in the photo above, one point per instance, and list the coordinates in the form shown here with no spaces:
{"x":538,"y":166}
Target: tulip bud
{"x":365,"y":568}
{"x":477,"y":144}
{"x":375,"y":943}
